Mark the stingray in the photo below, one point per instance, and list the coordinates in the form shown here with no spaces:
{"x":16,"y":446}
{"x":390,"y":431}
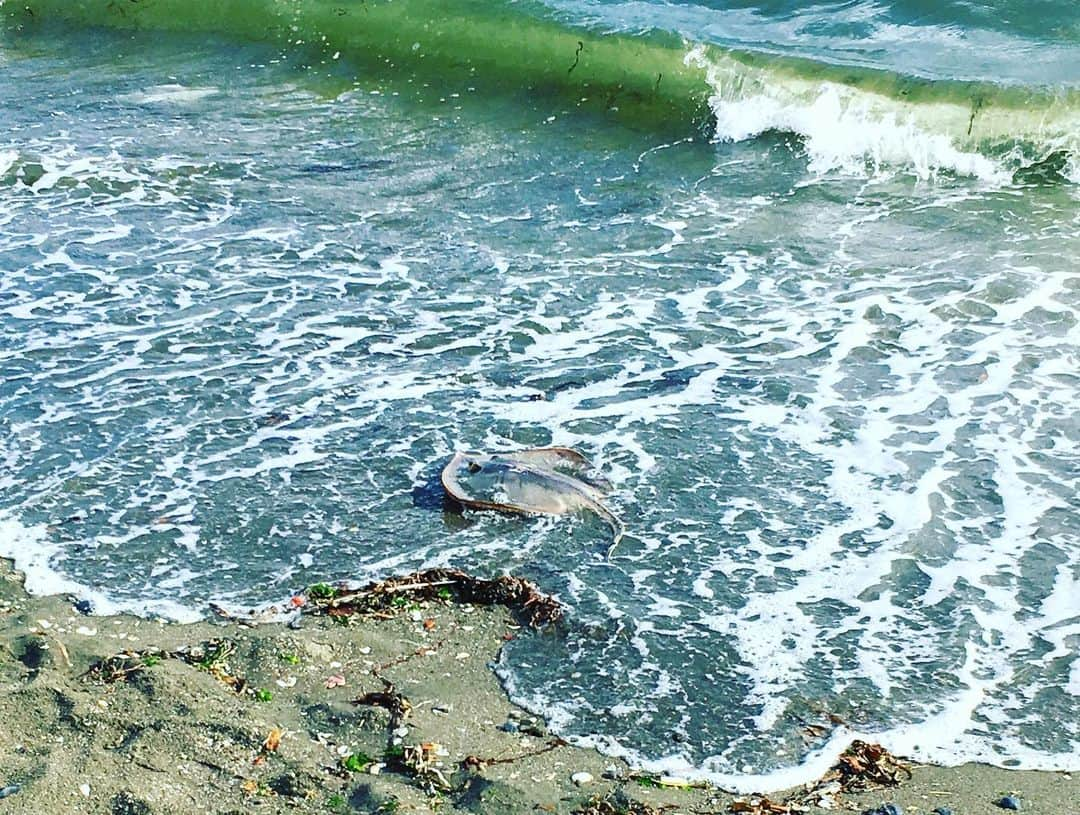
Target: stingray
{"x":542,"y":481}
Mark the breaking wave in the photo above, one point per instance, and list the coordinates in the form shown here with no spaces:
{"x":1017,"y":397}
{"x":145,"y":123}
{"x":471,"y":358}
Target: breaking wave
{"x":847,"y":118}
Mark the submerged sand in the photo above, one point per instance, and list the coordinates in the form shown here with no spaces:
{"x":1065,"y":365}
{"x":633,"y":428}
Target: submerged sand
{"x":127,"y":716}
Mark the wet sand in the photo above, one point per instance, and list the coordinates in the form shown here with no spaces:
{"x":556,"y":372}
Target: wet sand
{"x":223,"y":717}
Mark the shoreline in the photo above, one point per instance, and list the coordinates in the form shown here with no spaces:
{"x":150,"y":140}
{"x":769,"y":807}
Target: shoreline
{"x":386,"y":706}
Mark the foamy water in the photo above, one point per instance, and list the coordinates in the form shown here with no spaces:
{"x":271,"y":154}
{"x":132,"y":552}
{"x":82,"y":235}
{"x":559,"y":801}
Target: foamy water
{"x":831,"y":371}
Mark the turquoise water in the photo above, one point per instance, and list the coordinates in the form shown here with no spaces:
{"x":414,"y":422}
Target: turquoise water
{"x":809,"y":300}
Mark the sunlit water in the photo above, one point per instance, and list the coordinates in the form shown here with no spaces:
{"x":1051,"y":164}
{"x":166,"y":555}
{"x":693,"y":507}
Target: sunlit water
{"x":248,"y":311}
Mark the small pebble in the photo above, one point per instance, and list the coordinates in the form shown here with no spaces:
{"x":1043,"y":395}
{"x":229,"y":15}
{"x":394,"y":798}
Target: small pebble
{"x":442,"y":710}
{"x":885,"y":809}
{"x":943,"y":811}
{"x":85,"y":790}
{"x":581,"y":779}
{"x":1009,"y":802}
{"x":612,"y":773}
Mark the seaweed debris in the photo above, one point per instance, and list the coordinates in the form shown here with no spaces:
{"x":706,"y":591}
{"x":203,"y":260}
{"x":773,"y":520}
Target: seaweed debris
{"x":863,"y":765}
{"x":618,"y":803}
{"x":860,"y":767}
{"x":522,"y":597}
{"x":123,"y":666}
{"x":391,"y":700}
{"x":763,"y":805}
{"x":210,"y":656}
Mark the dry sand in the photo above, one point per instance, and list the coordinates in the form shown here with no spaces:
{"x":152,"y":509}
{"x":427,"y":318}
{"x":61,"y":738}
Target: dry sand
{"x":170,"y":735}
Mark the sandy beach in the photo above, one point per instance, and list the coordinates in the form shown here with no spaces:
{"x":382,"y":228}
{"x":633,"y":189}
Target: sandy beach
{"x":391,"y":707}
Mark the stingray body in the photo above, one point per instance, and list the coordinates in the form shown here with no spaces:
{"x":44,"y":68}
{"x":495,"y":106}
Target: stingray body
{"x":543,"y":481}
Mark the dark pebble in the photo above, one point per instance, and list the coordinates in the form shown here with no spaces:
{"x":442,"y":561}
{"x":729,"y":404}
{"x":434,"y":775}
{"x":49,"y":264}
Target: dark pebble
{"x":84,"y":607}
{"x":885,"y":809}
{"x":612,"y":773}
{"x":943,"y":811}
{"x":509,"y":727}
{"x":125,"y":803}
{"x":1009,"y":802}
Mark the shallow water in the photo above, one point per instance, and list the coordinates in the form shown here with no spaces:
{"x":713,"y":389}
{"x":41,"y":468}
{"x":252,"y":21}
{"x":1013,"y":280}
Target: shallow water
{"x":823,"y":342}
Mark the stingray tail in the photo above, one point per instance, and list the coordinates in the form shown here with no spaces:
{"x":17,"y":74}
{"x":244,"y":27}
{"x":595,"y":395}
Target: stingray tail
{"x":612,"y":520}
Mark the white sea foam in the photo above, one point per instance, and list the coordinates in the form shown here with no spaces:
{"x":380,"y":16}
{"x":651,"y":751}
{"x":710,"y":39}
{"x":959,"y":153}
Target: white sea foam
{"x":36,"y":555}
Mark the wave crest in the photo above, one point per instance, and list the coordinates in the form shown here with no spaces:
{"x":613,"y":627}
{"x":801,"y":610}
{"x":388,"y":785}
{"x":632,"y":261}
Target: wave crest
{"x":856,"y":127}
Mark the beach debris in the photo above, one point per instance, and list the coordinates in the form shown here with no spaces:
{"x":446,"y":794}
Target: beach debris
{"x":540,"y":481}
{"x":675,"y":783}
{"x":398,"y":706}
{"x":273,"y":740}
{"x":473,"y":762}
{"x":582,"y":778}
{"x":334,"y":681}
{"x":84,"y":789}
{"x":863,"y":765}
{"x":212,"y":657}
{"x":1009,"y":802}
{"x":763,"y":805}
{"x":9,"y":790}
{"x":424,"y":762}
{"x":519,"y":595}
{"x":509,"y":726}
{"x":654,"y":780}
{"x":124,"y":665}
{"x":618,"y":803}
{"x":860,"y":767}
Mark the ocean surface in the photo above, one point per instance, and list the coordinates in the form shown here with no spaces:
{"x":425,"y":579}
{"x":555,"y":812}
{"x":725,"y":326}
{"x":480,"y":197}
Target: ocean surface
{"x":800,"y":277}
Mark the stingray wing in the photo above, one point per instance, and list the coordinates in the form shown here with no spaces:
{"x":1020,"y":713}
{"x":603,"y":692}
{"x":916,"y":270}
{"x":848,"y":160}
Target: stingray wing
{"x":565,"y":461}
{"x":520,"y":483}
